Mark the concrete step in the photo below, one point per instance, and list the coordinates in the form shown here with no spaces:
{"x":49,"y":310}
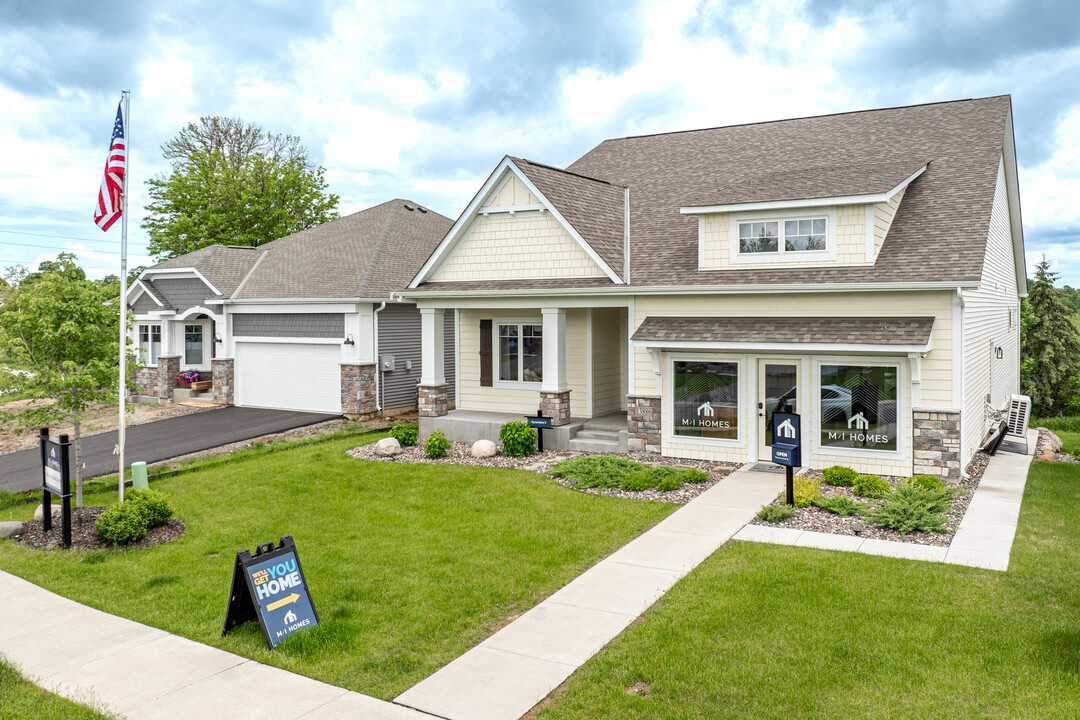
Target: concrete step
{"x":586,"y":445}
{"x":592,"y":434}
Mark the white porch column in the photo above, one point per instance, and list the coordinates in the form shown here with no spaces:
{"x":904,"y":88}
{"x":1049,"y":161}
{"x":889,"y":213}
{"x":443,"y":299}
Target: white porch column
{"x":432,"y":371}
{"x":554,"y":345}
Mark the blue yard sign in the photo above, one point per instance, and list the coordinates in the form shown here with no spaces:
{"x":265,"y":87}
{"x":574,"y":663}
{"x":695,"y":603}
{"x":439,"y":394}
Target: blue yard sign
{"x":787,"y":439}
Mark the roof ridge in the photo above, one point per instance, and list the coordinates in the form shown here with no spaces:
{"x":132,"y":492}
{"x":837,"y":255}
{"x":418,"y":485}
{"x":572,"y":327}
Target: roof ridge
{"x":805,"y":117}
{"x":565,"y":171}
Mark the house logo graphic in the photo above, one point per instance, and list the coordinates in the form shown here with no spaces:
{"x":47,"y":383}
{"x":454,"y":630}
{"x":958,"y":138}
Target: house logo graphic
{"x":705,"y":410}
{"x":858,"y":421}
{"x":290,"y":617}
{"x":786,"y":429}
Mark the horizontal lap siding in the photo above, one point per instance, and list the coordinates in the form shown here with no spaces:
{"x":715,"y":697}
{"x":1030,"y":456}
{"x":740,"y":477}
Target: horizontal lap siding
{"x":298,"y":325}
{"x":609,"y":360}
{"x":399,"y":335}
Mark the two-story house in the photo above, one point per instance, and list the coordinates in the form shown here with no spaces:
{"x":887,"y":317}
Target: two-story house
{"x":862,"y":269}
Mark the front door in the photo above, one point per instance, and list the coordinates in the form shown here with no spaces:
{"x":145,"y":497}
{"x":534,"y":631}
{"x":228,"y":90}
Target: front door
{"x":778,"y":381}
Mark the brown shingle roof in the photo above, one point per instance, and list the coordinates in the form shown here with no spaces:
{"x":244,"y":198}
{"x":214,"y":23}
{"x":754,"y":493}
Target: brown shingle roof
{"x":817,"y":330}
{"x":223,"y":265}
{"x":157,"y":294}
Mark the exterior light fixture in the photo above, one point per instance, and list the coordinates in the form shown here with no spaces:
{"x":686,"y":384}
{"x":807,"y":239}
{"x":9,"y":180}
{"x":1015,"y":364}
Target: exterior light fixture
{"x":999,"y":352}
{"x":349,"y":340}
{"x":217,"y":338}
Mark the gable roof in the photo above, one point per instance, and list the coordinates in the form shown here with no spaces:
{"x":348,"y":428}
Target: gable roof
{"x":223,"y":265}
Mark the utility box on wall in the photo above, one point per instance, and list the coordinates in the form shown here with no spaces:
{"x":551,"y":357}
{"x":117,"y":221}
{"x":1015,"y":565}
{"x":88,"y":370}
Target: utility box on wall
{"x":386,"y":363}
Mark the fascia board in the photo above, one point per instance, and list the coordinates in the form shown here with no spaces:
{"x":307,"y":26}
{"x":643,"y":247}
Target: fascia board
{"x":167,"y":273}
{"x":784,"y":347}
{"x":1012,"y":191}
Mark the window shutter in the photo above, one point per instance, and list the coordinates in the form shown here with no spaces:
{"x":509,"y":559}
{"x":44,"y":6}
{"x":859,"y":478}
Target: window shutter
{"x":485,"y":353}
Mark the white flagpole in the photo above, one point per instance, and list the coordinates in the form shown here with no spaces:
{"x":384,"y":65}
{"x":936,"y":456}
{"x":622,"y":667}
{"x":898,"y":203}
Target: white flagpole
{"x":121,"y":439}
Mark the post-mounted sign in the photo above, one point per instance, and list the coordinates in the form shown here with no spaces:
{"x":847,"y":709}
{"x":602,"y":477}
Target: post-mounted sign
{"x":270,"y":587}
{"x":55,"y":480}
{"x":787,"y":440}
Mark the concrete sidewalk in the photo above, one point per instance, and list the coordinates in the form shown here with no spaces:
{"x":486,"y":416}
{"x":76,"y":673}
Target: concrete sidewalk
{"x":504,"y":676}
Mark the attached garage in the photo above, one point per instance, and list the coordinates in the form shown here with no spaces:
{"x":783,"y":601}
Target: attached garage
{"x":291,"y":376}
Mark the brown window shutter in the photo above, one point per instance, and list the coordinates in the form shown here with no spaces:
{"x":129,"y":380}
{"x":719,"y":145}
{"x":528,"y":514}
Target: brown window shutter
{"x":485,"y":353}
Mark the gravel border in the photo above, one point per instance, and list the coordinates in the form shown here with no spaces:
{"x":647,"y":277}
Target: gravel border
{"x":83,"y":536}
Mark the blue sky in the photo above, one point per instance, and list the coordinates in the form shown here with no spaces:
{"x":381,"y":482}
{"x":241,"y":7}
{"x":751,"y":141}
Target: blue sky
{"x":421,"y":100}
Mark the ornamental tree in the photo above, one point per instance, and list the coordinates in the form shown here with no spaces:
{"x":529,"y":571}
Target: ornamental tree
{"x":1050,"y":348}
{"x":233,"y":183}
{"x":59,"y":332}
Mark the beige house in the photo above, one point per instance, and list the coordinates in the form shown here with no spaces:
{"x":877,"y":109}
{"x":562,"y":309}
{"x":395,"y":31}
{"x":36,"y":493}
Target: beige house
{"x":668,"y":293}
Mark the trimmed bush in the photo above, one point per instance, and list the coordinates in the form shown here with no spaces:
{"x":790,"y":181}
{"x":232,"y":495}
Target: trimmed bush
{"x":842,"y":505}
{"x":913,"y":508}
{"x":121,"y":524}
{"x":436,"y":446}
{"x":872,"y":486}
{"x":595,"y":470}
{"x":927,"y":482}
{"x":639,"y":480}
{"x":669,"y":483}
{"x":405,"y":434}
{"x":774,"y":513}
{"x":840,"y":476}
{"x":153,"y":505}
{"x":518,"y":439}
{"x":806,"y":491}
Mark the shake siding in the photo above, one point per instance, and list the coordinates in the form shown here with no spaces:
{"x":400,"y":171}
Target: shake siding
{"x":143,"y":305}
{"x":987,"y":326}
{"x":883,"y":217}
{"x":297,"y":325}
{"x":518,"y":400}
{"x":518,"y":248}
{"x":609,"y":360}
{"x":184,"y":293}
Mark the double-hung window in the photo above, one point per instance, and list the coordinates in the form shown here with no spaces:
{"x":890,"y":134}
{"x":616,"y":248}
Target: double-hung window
{"x":520,"y":352}
{"x":149,"y":343}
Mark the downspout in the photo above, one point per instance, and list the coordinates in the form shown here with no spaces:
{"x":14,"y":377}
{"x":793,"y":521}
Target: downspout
{"x":375,"y":350}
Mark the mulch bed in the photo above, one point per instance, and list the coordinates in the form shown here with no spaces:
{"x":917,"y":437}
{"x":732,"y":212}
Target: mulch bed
{"x":83,"y":536}
{"x":542,"y":462}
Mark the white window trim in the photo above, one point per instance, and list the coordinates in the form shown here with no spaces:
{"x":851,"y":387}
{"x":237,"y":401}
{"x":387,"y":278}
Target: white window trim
{"x":511,"y":384}
{"x":150,"y":360}
{"x":781,"y":255}
{"x":207,"y":341}
{"x":902,"y":386}
{"x":668,"y":401}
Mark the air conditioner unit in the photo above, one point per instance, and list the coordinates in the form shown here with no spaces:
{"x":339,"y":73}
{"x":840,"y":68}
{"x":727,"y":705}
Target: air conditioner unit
{"x":1019,"y":414}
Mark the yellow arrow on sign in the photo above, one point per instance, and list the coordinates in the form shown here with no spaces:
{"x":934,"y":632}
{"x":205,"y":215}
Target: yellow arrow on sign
{"x":283,"y":602}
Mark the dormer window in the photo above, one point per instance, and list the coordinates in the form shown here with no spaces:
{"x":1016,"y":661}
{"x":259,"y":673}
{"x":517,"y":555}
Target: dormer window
{"x":783,"y":235}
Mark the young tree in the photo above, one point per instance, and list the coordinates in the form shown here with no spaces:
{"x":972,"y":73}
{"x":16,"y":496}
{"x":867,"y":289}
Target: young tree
{"x":62,"y":330}
{"x":1050,"y":347}
{"x":233,"y":183}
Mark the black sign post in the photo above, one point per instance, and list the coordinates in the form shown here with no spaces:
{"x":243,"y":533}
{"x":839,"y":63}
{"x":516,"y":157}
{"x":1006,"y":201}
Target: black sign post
{"x":787,"y":440}
{"x":541,"y":423}
{"x":55,"y":480}
{"x":270,"y":587}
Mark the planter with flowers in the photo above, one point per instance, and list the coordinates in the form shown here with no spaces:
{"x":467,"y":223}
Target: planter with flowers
{"x":194,"y":380}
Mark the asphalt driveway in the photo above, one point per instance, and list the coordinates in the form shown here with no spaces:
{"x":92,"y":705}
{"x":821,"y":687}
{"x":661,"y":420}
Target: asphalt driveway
{"x":160,"y":440}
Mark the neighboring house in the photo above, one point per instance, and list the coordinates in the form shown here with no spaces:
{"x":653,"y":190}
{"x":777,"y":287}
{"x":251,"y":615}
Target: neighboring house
{"x":862,"y":269}
{"x":298,"y":323}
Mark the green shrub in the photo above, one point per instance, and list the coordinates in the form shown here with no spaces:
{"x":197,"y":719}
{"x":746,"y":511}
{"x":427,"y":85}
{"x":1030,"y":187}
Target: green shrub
{"x":153,"y":505}
{"x":436,"y":446}
{"x":913,"y":508}
{"x":928,"y":482}
{"x":840,"y":476}
{"x":872,"y":486}
{"x":774,"y":513}
{"x":518,"y":439}
{"x":121,"y":524}
{"x":595,"y":470}
{"x":639,"y":480}
{"x":405,"y":434}
{"x":842,"y":505}
{"x":669,"y":483}
{"x":806,"y":491}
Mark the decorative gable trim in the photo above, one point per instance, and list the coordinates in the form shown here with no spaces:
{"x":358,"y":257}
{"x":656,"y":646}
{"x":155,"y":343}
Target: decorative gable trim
{"x":461,"y":228}
{"x":142,"y":290}
{"x":180,"y":273}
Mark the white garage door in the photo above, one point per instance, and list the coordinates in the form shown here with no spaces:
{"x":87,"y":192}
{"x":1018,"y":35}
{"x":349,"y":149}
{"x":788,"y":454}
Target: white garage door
{"x":289,"y":376}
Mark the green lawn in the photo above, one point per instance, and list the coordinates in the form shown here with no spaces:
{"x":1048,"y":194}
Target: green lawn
{"x":408,"y":565}
{"x":762,"y":631}
{"x":20,"y":698}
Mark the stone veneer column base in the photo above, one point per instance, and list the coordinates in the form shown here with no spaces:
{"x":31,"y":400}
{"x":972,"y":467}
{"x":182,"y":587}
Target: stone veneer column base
{"x":556,"y":405}
{"x":223,"y":375}
{"x":935,"y":444}
{"x":358,"y":389}
{"x":643,"y":416}
{"x":168,"y":367}
{"x":432,"y":400}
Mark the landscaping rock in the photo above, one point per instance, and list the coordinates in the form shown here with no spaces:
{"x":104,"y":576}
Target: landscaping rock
{"x":483,"y":449}
{"x":1055,"y":442}
{"x":387,"y":447}
{"x":11,"y":529}
{"x":57,"y":511}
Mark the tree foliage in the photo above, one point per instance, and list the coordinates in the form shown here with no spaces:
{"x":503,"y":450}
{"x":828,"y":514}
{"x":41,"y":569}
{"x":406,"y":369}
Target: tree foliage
{"x":1050,"y":348}
{"x":60,"y":331}
{"x":233,"y":183}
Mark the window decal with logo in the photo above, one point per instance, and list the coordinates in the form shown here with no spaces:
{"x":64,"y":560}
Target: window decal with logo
{"x":706,"y":401}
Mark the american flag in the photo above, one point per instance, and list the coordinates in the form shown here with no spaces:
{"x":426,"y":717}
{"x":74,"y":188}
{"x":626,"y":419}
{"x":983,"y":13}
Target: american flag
{"x":108,"y":208}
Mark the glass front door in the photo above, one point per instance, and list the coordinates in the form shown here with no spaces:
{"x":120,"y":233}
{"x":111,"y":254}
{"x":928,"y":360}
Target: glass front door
{"x":778,"y":383}
{"x":194,"y":344}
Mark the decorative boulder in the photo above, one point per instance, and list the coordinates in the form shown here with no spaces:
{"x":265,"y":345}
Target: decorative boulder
{"x":54,"y":506}
{"x":483,"y":449}
{"x":11,"y":529}
{"x":388,"y":447}
{"x":1055,"y":442}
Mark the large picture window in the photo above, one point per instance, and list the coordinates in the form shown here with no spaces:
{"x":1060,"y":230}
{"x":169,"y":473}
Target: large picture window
{"x":149,"y":343}
{"x":858,"y":407}
{"x":783,"y":236}
{"x":521,"y":352}
{"x":706,"y":402}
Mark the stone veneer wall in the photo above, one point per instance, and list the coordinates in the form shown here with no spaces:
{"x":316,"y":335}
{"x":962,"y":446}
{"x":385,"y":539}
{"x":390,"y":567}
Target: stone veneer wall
{"x":936,"y":444}
{"x":556,"y":405}
{"x":358,"y":389}
{"x":224,"y":379}
{"x":643,"y":417}
{"x":160,"y":381}
{"x":432,"y":400}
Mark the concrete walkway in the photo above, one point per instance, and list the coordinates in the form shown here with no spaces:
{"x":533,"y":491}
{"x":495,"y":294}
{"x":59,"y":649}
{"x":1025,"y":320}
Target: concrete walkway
{"x":984,"y":539}
{"x":504,"y":676}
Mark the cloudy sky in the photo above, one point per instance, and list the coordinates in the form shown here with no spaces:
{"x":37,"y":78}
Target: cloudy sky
{"x":421,"y":100}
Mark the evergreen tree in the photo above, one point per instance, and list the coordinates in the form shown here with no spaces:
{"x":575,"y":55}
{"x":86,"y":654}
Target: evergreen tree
{"x":1050,"y":347}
